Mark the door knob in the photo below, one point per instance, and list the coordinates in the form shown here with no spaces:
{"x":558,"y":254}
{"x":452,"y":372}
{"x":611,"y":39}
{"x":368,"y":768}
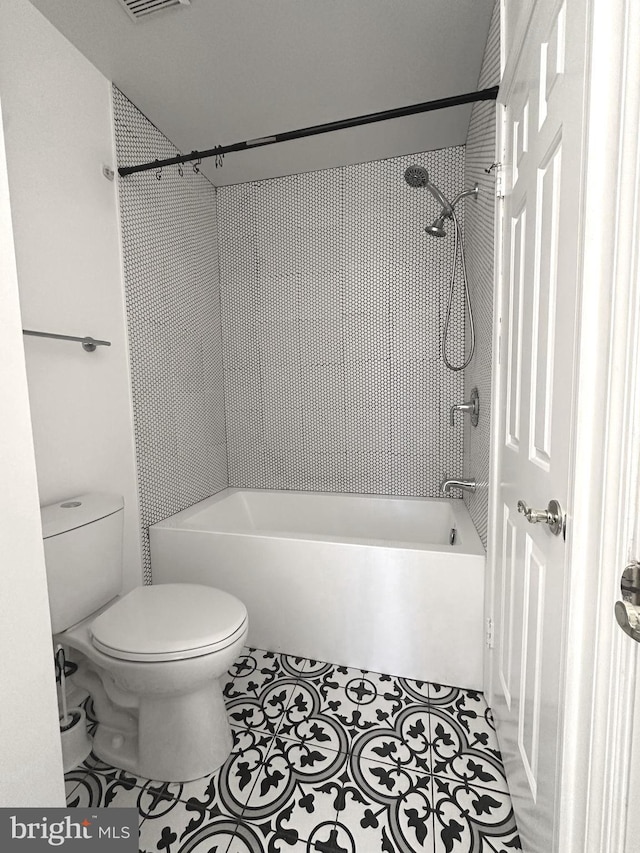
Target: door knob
{"x":552,"y":515}
{"x":627,"y":611}
{"x":628,"y":618}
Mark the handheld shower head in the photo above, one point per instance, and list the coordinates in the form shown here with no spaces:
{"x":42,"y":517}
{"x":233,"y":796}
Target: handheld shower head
{"x":436,"y":229}
{"x":418,"y":177}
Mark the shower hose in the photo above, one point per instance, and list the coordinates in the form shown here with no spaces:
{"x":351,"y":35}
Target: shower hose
{"x":472,"y":332}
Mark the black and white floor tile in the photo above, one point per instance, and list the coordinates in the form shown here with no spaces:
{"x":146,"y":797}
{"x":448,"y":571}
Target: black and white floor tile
{"x":327,"y":759}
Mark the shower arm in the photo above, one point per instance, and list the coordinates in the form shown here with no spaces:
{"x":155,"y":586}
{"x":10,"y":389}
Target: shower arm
{"x":474,"y":192}
{"x":447,"y":206}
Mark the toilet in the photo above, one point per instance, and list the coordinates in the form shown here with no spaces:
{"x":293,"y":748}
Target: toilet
{"x":151,"y":659}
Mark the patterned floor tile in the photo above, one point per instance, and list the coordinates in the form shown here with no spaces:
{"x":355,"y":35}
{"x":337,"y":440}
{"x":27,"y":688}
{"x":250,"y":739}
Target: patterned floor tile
{"x":359,"y":707}
{"x":296,"y":791}
{"x":471,"y":711}
{"x":252,"y":839}
{"x":231,"y":784}
{"x":360,"y":682}
{"x":416,"y":691}
{"x":70,"y":784}
{"x":317,"y":668}
{"x":186,"y":827}
{"x":472,"y":820}
{"x":259,"y":688}
{"x":256,"y":669}
{"x":258,"y":837}
{"x":384,"y":808}
{"x":463,"y":739}
{"x":303,"y":720}
{"x":263,"y":710}
{"x":407,"y":744}
{"x":327,"y":759}
{"x":362,"y":701}
{"x":93,"y":789}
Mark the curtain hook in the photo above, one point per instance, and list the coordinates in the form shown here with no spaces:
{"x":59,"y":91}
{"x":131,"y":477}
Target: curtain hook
{"x":159,"y":174}
{"x":195,"y":166}
{"x":180,"y":169}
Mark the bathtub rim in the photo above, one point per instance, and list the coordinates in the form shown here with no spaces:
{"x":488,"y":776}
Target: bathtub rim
{"x":471,"y":544}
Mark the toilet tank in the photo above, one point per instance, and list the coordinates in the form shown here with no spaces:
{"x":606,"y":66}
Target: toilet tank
{"x":83,"y":554}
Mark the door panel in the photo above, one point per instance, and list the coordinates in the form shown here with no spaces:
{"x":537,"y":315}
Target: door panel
{"x":514,"y":352}
{"x":544,"y":304}
{"x":543,"y":147}
{"x":531,"y":661}
{"x":551,"y":60}
{"x":506,"y":639}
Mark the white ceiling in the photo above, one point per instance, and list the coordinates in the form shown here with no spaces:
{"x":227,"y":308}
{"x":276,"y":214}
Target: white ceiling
{"x":224,"y":71}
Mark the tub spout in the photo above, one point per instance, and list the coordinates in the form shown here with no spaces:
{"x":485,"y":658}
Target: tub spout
{"x":466,"y":485}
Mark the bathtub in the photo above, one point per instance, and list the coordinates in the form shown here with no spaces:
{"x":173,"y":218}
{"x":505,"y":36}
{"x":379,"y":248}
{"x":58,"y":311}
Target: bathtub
{"x":365,"y":581}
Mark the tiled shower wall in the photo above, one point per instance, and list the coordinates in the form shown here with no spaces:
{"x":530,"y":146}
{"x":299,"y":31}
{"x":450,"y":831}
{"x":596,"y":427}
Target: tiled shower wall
{"x":332,"y":310}
{"x":480,"y":240}
{"x":173,"y":315}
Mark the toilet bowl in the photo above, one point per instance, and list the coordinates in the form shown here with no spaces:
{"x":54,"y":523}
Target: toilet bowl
{"x":151,"y":659}
{"x":152,"y":662}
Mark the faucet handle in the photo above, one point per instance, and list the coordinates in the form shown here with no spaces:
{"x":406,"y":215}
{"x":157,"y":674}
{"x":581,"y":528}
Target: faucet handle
{"x":472,"y":407}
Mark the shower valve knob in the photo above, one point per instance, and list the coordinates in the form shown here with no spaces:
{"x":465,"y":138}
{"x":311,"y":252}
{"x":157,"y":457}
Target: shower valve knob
{"x":472,"y":408}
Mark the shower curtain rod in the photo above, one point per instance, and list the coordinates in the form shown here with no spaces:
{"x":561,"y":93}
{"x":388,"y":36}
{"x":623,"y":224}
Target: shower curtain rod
{"x":483,"y":95}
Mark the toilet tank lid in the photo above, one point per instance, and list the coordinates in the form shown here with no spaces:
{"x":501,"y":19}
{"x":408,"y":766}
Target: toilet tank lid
{"x":77,"y":511}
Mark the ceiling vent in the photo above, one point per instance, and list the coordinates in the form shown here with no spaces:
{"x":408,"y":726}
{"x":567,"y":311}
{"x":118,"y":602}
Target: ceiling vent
{"x":137,"y":9}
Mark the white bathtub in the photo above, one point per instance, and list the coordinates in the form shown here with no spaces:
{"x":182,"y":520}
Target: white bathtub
{"x":360,"y":580}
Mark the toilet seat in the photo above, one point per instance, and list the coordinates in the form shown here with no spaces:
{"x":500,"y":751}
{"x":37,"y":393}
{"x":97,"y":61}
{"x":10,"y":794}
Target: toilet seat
{"x":169,"y":622}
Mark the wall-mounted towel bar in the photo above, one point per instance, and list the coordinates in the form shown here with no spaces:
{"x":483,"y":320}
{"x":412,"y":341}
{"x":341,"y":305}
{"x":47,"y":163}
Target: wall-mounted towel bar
{"x":88,"y":344}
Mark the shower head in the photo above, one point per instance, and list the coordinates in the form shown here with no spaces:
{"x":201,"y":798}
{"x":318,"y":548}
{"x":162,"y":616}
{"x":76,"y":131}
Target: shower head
{"x":418,"y":177}
{"x":436,"y":229}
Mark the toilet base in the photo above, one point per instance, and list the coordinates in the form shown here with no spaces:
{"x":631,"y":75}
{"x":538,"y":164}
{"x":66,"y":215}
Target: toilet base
{"x":164,"y":721}
{"x":178,"y":738}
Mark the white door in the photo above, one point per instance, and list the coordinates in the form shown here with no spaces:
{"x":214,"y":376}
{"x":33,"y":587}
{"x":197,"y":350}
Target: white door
{"x":543,"y":93}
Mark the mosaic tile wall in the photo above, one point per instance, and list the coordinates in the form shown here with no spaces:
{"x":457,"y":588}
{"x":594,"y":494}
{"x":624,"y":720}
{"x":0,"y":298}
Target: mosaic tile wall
{"x":173,"y":316}
{"x":480,"y":238}
{"x":332,"y":308}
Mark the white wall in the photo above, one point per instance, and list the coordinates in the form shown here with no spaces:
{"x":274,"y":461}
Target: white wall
{"x":30,"y":754}
{"x":249,"y":69}
{"x":59,"y":132}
